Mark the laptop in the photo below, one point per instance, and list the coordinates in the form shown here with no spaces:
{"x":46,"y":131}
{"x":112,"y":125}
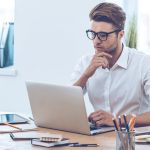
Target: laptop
{"x":60,"y":107}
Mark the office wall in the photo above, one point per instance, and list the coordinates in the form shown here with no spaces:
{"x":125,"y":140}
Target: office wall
{"x":49,"y":39}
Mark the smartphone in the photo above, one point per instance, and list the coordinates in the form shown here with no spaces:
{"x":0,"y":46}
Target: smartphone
{"x":12,"y":118}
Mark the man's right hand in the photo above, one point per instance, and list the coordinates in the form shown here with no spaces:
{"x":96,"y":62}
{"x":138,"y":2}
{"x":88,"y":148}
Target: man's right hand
{"x":98,"y":60}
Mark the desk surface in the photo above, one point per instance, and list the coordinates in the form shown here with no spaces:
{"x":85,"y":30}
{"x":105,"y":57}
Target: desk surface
{"x":106,"y":141}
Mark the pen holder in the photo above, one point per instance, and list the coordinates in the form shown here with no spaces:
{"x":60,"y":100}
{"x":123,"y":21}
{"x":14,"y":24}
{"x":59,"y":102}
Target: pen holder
{"x":125,"y":140}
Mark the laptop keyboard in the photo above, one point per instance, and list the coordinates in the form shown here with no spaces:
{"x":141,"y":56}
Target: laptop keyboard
{"x":94,"y":127}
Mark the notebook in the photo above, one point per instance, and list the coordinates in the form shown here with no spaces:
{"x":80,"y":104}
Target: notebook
{"x":35,"y":135}
{"x":63,"y":108}
{"x":38,"y":142}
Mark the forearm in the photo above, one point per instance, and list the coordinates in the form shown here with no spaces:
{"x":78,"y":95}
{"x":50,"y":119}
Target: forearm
{"x":81,"y":81}
{"x":141,"y":120}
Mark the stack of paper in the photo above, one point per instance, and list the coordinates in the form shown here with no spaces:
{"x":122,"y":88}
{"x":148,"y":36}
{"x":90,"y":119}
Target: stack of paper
{"x":24,"y":127}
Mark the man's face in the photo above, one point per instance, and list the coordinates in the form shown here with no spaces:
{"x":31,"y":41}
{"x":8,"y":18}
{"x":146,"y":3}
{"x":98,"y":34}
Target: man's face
{"x":109,"y":45}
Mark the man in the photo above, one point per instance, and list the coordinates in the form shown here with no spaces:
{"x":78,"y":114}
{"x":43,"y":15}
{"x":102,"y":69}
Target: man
{"x":116,"y":78}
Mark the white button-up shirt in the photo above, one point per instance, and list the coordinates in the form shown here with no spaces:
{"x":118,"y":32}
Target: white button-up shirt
{"x":125,"y":88}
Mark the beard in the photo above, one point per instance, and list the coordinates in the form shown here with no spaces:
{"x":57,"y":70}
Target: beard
{"x":110,"y":50}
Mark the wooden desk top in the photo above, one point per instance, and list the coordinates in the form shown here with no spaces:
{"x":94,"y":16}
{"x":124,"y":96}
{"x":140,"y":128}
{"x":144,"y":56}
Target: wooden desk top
{"x":106,"y":141}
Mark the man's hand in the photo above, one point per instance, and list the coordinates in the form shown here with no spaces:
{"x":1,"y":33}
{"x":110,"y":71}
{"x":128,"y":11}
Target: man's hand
{"x":98,"y":60}
{"x":100,"y":118}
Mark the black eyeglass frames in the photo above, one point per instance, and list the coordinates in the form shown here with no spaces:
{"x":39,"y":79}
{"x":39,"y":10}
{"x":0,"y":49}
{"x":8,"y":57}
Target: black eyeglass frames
{"x":101,"y":35}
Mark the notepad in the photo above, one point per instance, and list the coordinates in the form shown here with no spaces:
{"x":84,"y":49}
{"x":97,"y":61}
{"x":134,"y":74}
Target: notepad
{"x":51,"y":138}
{"x":43,"y":136}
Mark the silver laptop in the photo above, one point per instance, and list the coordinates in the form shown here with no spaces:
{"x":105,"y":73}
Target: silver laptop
{"x":60,"y":107}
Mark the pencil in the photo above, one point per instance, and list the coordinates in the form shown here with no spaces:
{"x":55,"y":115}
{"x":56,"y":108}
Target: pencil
{"x":126,"y":124}
{"x":132,"y":122}
{"x":11,"y":125}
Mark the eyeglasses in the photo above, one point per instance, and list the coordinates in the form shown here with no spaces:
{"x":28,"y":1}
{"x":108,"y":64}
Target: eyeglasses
{"x":101,"y":35}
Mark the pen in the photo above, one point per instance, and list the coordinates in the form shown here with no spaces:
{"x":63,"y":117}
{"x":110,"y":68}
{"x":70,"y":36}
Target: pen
{"x":118,"y":132}
{"x":8,"y":124}
{"x":66,"y":144}
{"x":127,"y":127}
{"x":84,"y":145}
{"x":126,"y":124}
{"x":115,"y":124}
{"x":119,"y":118}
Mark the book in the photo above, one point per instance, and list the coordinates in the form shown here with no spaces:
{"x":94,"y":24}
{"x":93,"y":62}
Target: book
{"x":43,"y":136}
{"x":142,"y":139}
{"x":142,"y":131}
{"x":38,"y":142}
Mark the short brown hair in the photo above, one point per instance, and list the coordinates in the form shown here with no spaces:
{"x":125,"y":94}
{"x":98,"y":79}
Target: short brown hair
{"x":109,"y":12}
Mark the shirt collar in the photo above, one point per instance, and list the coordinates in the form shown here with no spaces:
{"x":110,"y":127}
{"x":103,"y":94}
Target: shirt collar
{"x":123,"y":59}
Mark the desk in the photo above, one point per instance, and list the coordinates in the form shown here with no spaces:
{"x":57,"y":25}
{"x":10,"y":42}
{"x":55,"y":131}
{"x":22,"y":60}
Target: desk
{"x":106,"y":141}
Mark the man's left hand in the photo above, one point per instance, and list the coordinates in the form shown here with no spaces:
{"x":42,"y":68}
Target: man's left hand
{"x":101,"y":117}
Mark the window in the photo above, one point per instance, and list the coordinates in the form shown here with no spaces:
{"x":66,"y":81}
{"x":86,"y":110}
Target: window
{"x":143,"y":26}
{"x":6,"y":33}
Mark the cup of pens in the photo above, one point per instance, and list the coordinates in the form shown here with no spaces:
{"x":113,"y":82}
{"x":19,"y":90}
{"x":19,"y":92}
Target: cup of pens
{"x":125,"y":140}
{"x":125,"y":137}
